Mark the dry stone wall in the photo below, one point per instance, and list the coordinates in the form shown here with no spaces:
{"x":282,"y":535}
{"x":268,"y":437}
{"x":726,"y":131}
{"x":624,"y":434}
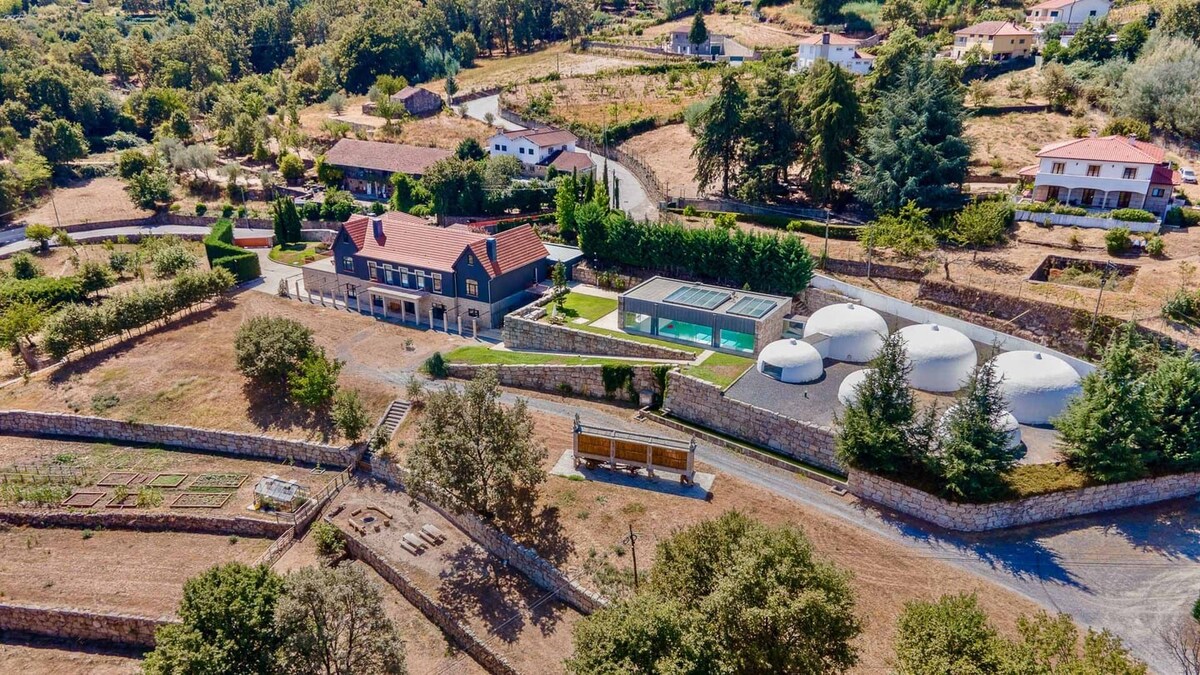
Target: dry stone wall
{"x":147,"y":522}
{"x":78,"y":624}
{"x":521,"y":333}
{"x":227,"y":442}
{"x":570,"y":380}
{"x":1039,"y":508}
{"x":704,"y":404}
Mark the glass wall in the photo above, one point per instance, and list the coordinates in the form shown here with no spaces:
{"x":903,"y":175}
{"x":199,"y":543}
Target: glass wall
{"x":686,"y":332}
{"x":637,"y":323}
{"x":737,"y":341}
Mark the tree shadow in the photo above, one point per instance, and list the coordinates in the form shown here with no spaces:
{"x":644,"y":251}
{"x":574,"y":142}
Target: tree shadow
{"x":474,"y":584}
{"x":269,"y":407}
{"x":542,"y":531}
{"x":998,"y":265}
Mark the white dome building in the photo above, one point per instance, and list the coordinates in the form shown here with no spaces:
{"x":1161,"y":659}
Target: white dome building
{"x":1036,"y":386}
{"x":848,"y":389}
{"x":790,"y":360}
{"x":1007,"y":422}
{"x":942,"y":358}
{"x":855,"y":332}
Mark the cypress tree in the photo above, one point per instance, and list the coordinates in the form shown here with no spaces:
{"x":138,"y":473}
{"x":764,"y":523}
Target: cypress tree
{"x":698,"y":33}
{"x":877,"y":428}
{"x":719,"y":133}
{"x":564,"y":206}
{"x":974,"y":456}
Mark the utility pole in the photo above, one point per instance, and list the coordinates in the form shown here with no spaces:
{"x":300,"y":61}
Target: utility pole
{"x":632,"y":539}
{"x":825,"y":253}
{"x":1108,"y":267}
{"x":870,"y":250}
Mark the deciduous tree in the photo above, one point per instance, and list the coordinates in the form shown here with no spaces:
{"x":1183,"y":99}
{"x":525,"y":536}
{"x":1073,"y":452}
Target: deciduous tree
{"x":269,"y":348}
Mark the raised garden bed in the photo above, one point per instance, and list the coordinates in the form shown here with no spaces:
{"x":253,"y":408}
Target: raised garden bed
{"x":167,"y":480}
{"x":221,"y":481}
{"x":1085,"y":273}
{"x":129,"y":501}
{"x":83,"y":499}
{"x":200,"y":500}
{"x":117,"y":478}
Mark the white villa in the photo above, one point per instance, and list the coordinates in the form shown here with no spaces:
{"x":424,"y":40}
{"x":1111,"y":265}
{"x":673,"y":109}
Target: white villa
{"x":837,"y":49}
{"x":539,"y":149}
{"x":1109,"y":172}
{"x":1070,"y":13}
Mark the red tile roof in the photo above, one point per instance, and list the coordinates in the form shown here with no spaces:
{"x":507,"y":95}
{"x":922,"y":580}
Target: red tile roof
{"x":829,"y":39}
{"x":1165,"y":175}
{"x":571,"y":161}
{"x":389,"y":157}
{"x":1106,"y":149}
{"x":408,"y":240}
{"x":994,"y":28}
{"x":542,"y":137}
{"x":1052,"y":4}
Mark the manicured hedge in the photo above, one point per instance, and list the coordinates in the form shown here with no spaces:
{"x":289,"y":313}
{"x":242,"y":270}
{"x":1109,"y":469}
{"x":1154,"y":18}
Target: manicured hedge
{"x":221,"y":252}
{"x":1133,"y":215}
{"x":48,"y":292}
{"x":847,"y":232}
{"x":1183,"y":217}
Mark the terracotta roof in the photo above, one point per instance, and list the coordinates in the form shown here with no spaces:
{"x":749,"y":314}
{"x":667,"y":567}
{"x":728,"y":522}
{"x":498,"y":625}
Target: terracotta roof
{"x":1029,"y":171}
{"x":1052,"y":4}
{"x":994,"y":28}
{"x":565,"y":160}
{"x":1165,"y":175}
{"x":1106,"y":149}
{"x":409,"y":92}
{"x":542,"y":137}
{"x":864,"y":56}
{"x":409,"y":240}
{"x":389,"y":157}
{"x":829,"y":39}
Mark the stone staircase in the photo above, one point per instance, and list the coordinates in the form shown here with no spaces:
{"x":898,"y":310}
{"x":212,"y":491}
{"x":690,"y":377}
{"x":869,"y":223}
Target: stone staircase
{"x":393,"y":417}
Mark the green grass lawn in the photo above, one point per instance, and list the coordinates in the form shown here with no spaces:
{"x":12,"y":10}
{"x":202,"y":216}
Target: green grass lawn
{"x":479,"y":355}
{"x":590,"y":307}
{"x":636,"y":338}
{"x":300,"y":253}
{"x":720,"y":369}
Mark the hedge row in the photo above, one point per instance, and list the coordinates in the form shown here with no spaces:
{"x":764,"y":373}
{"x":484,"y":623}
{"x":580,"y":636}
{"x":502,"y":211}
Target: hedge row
{"x":221,"y":252}
{"x":1132,"y":215}
{"x":47,"y":292}
{"x":1127,"y":215}
{"x":847,"y":232}
{"x":79,"y":326}
{"x":1183,"y":217}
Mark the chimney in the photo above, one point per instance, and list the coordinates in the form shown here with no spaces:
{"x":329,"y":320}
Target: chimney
{"x":1133,"y":139}
{"x":491,"y":248}
{"x":377,"y":227}
{"x":825,"y":38}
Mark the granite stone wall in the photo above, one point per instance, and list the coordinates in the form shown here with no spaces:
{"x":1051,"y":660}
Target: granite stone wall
{"x":78,"y":624}
{"x":226,"y":442}
{"x":1037,"y":509}
{"x":558,"y":379}
{"x":701,"y":403}
{"x":521,"y":333}
{"x":147,"y":522}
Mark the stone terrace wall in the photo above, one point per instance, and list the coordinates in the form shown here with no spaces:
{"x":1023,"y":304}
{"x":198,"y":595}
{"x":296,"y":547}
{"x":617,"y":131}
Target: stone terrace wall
{"x":462,"y":636}
{"x":701,"y":403}
{"x":147,"y":522}
{"x":583,"y":380}
{"x":227,"y":442}
{"x":78,"y":624}
{"x":522,"y":333}
{"x":539,"y":570}
{"x":1036,"y":509}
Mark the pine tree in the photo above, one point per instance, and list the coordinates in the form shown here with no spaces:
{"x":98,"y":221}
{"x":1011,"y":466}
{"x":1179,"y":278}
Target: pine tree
{"x":768,"y":137}
{"x":831,"y":117}
{"x":877,"y":429}
{"x":974,"y":455}
{"x":1173,"y":407}
{"x":1104,"y":430}
{"x":698,"y":33}
{"x":719,"y":130}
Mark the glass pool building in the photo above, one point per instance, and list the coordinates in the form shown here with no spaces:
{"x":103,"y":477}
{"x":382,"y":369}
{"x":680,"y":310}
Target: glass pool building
{"x":713,"y":317}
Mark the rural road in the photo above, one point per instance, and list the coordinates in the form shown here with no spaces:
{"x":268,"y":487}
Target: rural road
{"x":633,"y":198}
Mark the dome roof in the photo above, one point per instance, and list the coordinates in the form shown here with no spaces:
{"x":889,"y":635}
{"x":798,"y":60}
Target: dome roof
{"x":1035,"y":385}
{"x":942,"y":358}
{"x":1008,"y":423}
{"x":848,"y":389}
{"x":791,"y":360}
{"x":855,"y":332}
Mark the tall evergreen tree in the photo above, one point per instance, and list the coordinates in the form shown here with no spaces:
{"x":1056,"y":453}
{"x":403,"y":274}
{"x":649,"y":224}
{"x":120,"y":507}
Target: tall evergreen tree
{"x":286,"y":221}
{"x":698,"y":33}
{"x":831,"y":117}
{"x":719,"y":130}
{"x":565,"y":201}
{"x":1173,"y":407}
{"x":902,"y":47}
{"x":973,"y":455}
{"x":877,"y":428}
{"x":1104,"y":431}
{"x":915,"y":147}
{"x":768,"y":137}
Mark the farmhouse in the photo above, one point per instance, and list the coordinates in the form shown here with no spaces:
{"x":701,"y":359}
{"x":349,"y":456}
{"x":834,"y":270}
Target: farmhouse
{"x":540,"y":149}
{"x":368,"y":166}
{"x":399,"y":266}
{"x":716,"y":48}
{"x":995,"y":40}
{"x":1109,"y":172}
{"x":417,"y":102}
{"x":1070,"y":13}
{"x":837,"y":49}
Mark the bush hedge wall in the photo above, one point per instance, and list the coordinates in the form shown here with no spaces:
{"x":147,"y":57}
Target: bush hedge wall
{"x":221,"y":252}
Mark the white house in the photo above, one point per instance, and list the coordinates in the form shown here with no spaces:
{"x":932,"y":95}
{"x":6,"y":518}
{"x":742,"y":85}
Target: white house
{"x":837,"y":49}
{"x":539,"y":149}
{"x":1109,"y":172}
{"x":1070,"y":13}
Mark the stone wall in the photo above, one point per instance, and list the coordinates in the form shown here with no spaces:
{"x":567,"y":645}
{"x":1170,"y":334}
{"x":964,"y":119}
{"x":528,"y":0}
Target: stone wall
{"x":701,"y":403}
{"x":581,"y":380}
{"x":584,"y":274}
{"x":1036,"y":509}
{"x":226,"y":442}
{"x":858,"y":268}
{"x":78,"y":624}
{"x":522,"y":333}
{"x":464,"y":638}
{"x":147,"y":522}
{"x":527,"y":561}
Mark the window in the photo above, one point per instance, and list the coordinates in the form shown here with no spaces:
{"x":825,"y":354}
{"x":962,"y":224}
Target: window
{"x":1156,"y":192}
{"x":474,"y":313}
{"x":387,"y":276}
{"x":352,"y":291}
{"x":371,"y":272}
{"x":1089,"y":197}
{"x":470,"y":260}
{"x":472,"y":288}
{"x":348,"y":263}
{"x":1052,"y":193}
{"x":1058,"y":167}
{"x":496,"y":146}
{"x":1130,"y":173}
{"x":1093,"y":170}
{"x":437,"y":283}
{"x":403,"y":276}
{"x":1092,"y":13}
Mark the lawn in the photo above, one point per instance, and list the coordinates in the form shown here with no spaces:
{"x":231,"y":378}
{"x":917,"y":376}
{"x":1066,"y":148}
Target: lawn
{"x":590,"y":307}
{"x":479,"y":355}
{"x":1027,"y":480}
{"x":299,"y":253}
{"x":720,"y":369}
{"x":636,"y":338}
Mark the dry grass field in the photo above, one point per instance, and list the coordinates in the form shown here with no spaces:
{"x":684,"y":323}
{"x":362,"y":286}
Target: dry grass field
{"x":1015,"y":138}
{"x":498,"y":70}
{"x":86,"y":201}
{"x":742,"y":27}
{"x":668,"y":151}
{"x":597,"y":100}
{"x":56,"y":657}
{"x":446,"y":130}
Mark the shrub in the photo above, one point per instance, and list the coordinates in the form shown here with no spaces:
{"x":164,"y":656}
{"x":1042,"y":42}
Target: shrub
{"x":1132,"y":215}
{"x":48,"y":292}
{"x":269,"y":348}
{"x":1156,"y":247}
{"x":350,"y":415}
{"x":1116,"y":240}
{"x":201,"y":209}
{"x":314,"y":384}
{"x":329,"y":541}
{"x":221,"y":252}
{"x":121,"y":261}
{"x":227,"y":210}
{"x":435,"y":366}
{"x":167,"y":261}
{"x":1183,"y":307}
{"x":24,"y":267}
{"x":95,"y":276}
{"x":291,"y":167}
{"x":689,"y":211}
{"x":1065,"y":210}
{"x":1181,"y":217}
{"x":846,"y":232}
{"x":1036,"y":207}
{"x":132,"y":162}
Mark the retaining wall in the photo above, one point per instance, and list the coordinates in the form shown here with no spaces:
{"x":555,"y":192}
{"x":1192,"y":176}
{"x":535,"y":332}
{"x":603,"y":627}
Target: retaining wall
{"x":147,"y":522}
{"x":522,"y":333}
{"x":227,"y":442}
{"x":1036,"y":509}
{"x":568,"y":380}
{"x":78,"y":624}
{"x":701,"y":403}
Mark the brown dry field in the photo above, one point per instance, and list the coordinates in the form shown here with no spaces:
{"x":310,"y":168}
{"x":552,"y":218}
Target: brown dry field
{"x":597,"y":100}
{"x":48,"y":657}
{"x":185,"y":373}
{"x":446,"y":130}
{"x":96,"y":460}
{"x":87,"y":201}
{"x":1015,"y":138}
{"x":668,"y":151}
{"x":594,"y":519}
{"x":113,"y":570}
{"x":498,"y":70}
{"x":742,"y":27}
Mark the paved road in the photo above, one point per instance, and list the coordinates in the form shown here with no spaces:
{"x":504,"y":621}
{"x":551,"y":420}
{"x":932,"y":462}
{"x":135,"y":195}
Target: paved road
{"x":634,"y":200}
{"x":13,"y":244}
